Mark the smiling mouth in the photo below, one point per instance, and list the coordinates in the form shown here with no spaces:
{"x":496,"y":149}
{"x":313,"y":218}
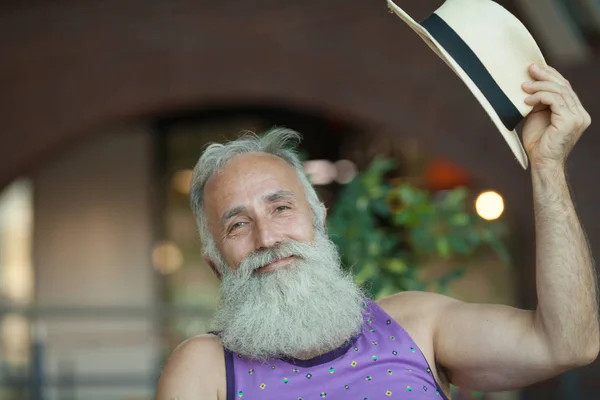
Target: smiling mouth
{"x":277,"y":264}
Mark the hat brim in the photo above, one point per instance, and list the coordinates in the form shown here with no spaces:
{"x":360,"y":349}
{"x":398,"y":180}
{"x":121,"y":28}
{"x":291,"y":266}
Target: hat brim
{"x":510,"y":136}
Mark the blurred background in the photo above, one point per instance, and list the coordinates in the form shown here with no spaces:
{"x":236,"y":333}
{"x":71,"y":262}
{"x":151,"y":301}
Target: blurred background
{"x":106,"y":105}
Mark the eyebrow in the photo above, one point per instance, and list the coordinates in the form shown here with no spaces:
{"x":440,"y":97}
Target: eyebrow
{"x":269,"y":198}
{"x":232,"y":212}
{"x":279,"y":195}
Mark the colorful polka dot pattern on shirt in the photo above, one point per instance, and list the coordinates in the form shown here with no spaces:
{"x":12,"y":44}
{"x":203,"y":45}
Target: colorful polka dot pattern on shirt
{"x":383,"y":362}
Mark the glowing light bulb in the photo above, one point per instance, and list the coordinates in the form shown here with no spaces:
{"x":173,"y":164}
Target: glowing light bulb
{"x":489,"y":205}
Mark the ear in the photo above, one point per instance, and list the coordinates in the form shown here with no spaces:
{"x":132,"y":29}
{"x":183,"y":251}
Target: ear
{"x":212,"y":266}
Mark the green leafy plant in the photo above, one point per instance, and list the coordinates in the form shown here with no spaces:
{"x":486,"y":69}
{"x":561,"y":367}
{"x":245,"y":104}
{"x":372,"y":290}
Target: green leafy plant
{"x":386,"y":229}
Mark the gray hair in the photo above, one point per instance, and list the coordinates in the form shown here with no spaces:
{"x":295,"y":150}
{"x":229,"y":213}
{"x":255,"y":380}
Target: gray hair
{"x":280,"y":142}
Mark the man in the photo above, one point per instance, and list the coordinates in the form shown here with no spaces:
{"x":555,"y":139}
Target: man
{"x":292,"y":325}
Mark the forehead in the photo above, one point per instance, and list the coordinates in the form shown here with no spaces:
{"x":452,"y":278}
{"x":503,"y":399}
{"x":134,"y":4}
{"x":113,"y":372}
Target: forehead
{"x":247,"y":177}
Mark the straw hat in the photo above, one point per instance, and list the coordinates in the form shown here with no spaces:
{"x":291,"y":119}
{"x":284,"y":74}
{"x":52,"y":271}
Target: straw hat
{"x":490,"y":50}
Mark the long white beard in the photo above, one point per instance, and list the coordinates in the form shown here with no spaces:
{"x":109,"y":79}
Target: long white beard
{"x":311,"y":307}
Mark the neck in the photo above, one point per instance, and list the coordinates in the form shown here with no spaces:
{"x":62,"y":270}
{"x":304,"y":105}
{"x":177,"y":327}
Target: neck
{"x":307,"y":355}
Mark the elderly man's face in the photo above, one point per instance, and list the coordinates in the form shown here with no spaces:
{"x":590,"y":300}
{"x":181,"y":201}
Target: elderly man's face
{"x":255,"y":202}
{"x":279,"y":272}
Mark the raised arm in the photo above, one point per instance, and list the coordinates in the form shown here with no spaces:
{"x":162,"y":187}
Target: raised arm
{"x":513,"y":347}
{"x":567,"y":312}
{"x":497,"y":347}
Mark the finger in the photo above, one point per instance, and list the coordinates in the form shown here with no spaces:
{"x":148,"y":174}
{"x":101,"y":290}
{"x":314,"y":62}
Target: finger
{"x":553,"y":87}
{"x":546,"y":73}
{"x":545,"y":86}
{"x":579,"y":109}
{"x":555,"y":101}
{"x":575,"y":97}
{"x":554,"y":72}
{"x":566,"y":83}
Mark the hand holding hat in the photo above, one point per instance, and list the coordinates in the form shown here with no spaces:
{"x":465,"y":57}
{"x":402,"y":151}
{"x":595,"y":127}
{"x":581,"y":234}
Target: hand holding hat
{"x":557,"y":120}
{"x":492,"y":52}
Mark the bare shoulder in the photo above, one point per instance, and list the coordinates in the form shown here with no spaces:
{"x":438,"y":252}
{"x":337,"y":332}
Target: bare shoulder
{"x":417,"y":313}
{"x":408,"y":305}
{"x":195,"y":370}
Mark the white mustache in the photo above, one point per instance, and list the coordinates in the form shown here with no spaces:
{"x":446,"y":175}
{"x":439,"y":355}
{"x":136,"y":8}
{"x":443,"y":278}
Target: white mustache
{"x":261,"y":258}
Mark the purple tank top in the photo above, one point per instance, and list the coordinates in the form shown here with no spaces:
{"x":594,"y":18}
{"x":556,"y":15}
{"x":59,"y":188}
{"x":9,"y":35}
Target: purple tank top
{"x":382,"y":362}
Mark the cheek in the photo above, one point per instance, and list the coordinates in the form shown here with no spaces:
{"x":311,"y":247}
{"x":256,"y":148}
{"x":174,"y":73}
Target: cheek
{"x":236,"y":251}
{"x":302,"y":229}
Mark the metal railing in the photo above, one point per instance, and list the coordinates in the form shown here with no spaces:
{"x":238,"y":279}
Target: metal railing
{"x":35,"y":382}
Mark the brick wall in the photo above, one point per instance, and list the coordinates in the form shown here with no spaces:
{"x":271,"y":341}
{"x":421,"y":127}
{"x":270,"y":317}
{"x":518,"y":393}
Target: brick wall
{"x":68,"y":67}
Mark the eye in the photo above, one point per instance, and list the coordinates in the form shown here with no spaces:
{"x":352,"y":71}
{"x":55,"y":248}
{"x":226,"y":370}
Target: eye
{"x":282,"y":208}
{"x":236,"y":226}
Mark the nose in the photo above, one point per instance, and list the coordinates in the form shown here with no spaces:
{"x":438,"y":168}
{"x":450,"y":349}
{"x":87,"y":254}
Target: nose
{"x":266,"y":235}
